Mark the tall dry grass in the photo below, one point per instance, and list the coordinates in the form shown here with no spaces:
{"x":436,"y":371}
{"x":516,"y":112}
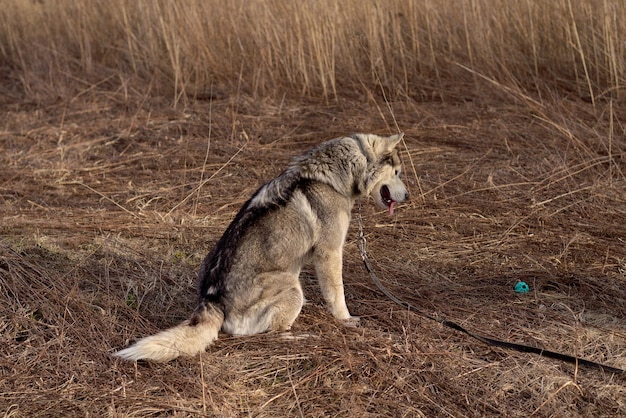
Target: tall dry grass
{"x":314,"y":48}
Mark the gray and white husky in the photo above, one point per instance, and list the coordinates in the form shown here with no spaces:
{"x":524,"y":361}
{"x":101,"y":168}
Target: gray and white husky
{"x":249,"y":283}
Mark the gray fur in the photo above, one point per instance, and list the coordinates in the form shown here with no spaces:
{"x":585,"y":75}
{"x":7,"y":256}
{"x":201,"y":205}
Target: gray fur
{"x":249,"y":283}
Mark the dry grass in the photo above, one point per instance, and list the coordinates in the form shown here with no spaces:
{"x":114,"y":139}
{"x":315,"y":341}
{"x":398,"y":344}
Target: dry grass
{"x":97,"y":249}
{"x":110,"y":197}
{"x":412,"y":48}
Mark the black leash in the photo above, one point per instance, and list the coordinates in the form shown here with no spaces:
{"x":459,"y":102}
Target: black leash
{"x":362,"y":246}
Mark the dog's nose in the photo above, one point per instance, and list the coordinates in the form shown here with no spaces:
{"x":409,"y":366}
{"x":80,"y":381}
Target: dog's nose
{"x":406,"y":196}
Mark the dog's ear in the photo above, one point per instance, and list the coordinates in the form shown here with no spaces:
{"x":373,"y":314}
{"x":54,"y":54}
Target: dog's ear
{"x":382,"y":145}
{"x":392,"y":141}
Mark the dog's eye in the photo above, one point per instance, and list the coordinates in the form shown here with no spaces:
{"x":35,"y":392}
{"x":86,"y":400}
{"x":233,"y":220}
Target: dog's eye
{"x":397,"y":172}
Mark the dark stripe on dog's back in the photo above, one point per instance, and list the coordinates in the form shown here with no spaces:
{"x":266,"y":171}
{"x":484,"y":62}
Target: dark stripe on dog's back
{"x":218,"y":263}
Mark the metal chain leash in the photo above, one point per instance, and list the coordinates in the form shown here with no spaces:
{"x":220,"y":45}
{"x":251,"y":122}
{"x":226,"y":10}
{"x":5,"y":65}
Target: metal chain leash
{"x":362,"y":247}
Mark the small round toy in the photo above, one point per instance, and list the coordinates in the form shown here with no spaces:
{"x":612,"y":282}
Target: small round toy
{"x":522,"y":287}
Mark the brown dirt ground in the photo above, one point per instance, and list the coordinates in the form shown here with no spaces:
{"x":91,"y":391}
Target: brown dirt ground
{"x":109,"y":203}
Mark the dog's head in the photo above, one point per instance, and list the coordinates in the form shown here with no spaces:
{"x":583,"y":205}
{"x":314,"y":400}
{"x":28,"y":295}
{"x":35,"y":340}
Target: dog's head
{"x":384,"y":175}
{"x":357,"y":165}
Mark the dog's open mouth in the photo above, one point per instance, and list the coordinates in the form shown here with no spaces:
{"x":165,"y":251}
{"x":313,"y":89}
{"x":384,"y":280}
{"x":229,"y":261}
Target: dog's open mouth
{"x":387,"y":200}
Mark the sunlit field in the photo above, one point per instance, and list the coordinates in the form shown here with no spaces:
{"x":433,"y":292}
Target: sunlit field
{"x":131,"y":132}
{"x":318,"y":48}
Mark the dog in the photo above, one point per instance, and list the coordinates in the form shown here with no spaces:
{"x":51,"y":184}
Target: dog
{"x":249,"y":283}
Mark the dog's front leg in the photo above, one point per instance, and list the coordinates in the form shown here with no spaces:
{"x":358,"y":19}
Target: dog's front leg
{"x":328,"y":265}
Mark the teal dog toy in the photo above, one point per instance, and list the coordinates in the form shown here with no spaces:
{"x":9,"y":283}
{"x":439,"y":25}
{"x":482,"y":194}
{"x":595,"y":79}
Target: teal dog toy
{"x":522,"y":287}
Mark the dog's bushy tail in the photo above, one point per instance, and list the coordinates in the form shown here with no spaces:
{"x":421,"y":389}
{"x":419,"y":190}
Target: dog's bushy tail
{"x":189,"y":338}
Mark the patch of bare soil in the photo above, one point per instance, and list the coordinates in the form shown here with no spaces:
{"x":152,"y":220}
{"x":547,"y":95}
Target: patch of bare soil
{"x":108,"y":205}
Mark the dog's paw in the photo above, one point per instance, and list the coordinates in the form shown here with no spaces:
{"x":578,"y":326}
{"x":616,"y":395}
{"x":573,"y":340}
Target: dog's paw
{"x":353,"y":321}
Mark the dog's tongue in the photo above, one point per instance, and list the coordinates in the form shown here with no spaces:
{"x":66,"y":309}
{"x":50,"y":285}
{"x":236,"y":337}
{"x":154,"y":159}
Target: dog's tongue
{"x":391,"y":207}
